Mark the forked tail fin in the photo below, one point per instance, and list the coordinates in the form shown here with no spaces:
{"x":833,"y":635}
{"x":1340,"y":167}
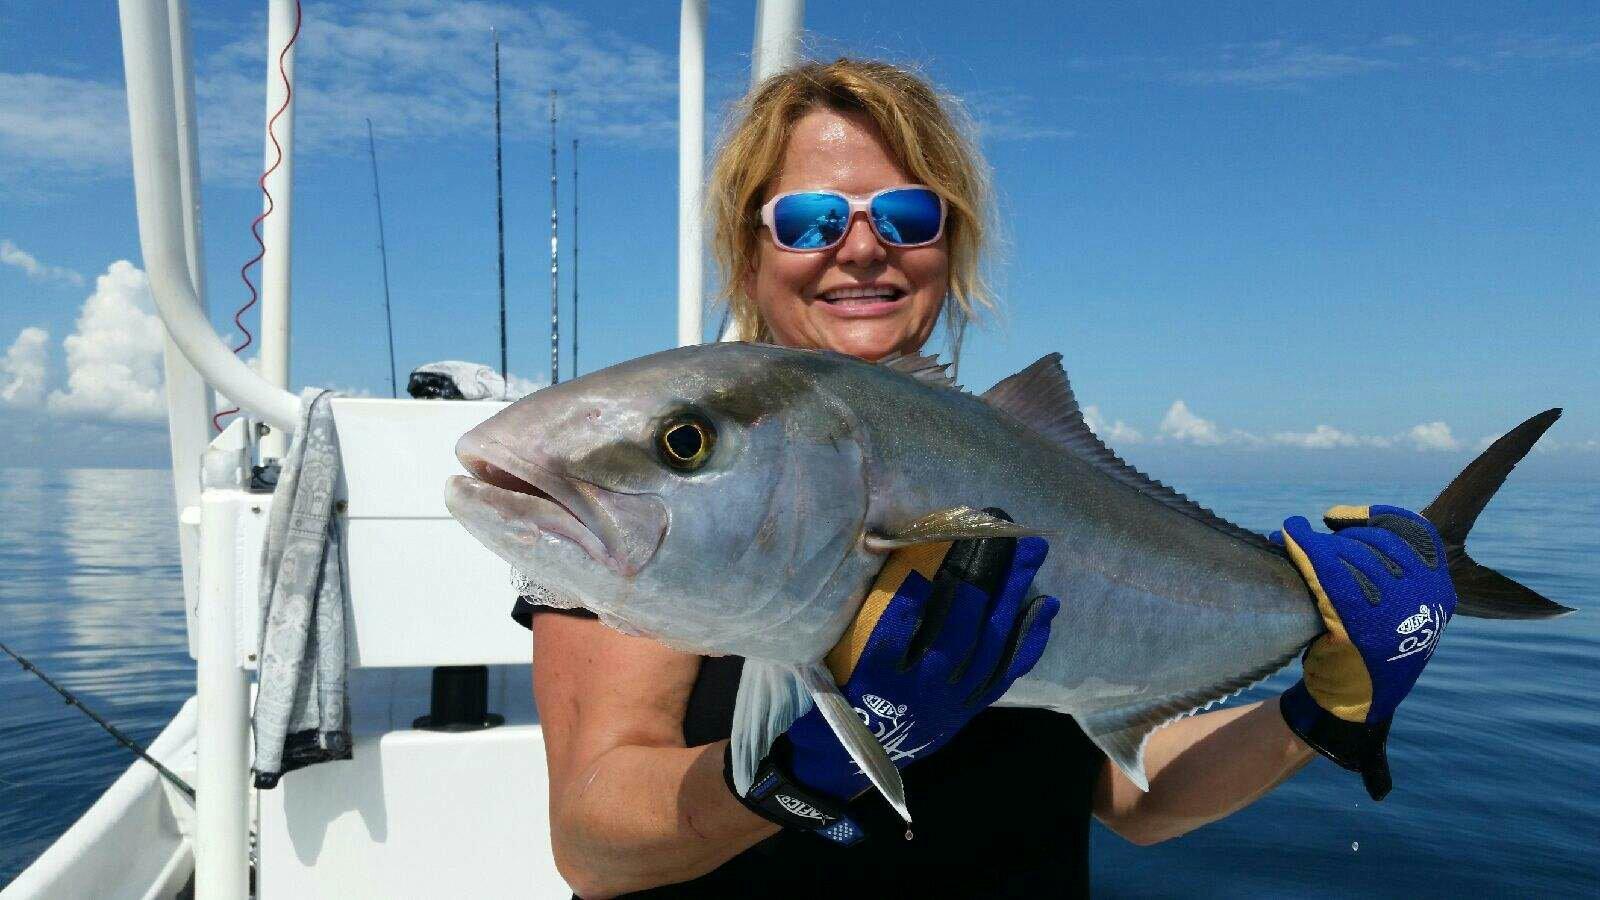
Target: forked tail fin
{"x":1480,"y":590}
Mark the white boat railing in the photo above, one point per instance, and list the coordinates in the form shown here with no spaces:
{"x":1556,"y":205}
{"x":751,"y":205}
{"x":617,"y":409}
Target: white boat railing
{"x":147,"y":54}
{"x":189,"y":400}
{"x":421,"y":592}
{"x":221,"y":685}
{"x":136,"y":840}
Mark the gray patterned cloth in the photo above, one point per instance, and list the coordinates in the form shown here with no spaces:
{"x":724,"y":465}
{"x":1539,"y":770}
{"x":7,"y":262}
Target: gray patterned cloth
{"x":301,"y":715}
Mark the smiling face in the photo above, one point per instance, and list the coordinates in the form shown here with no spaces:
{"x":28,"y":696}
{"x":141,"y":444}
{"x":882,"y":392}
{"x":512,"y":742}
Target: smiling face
{"x":861,"y":297}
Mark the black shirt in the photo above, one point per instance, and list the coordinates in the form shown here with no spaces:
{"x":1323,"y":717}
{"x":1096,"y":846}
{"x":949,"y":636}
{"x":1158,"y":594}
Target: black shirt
{"x":1000,"y":811}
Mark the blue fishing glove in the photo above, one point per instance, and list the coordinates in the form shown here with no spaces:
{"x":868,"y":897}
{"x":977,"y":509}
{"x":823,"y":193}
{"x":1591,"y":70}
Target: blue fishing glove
{"x":1382,"y":584}
{"x":943,"y":633}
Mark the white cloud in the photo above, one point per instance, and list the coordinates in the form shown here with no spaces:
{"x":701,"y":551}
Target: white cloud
{"x":62,"y":125}
{"x":114,"y":355}
{"x":1323,"y":437}
{"x":1327,"y":437}
{"x":1184,"y":426}
{"x":1280,"y":68}
{"x":1004,"y":114}
{"x":1524,"y":49}
{"x":25,"y":369}
{"x":1431,"y":436}
{"x":1277,"y":63}
{"x":1116,"y":433}
{"x":1397,"y":40}
{"x":1291,"y":64}
{"x":16,"y":257}
{"x":421,"y":69}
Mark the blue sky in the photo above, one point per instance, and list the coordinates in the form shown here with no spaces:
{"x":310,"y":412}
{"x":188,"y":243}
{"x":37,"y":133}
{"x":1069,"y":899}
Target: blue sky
{"x":1274,"y":240}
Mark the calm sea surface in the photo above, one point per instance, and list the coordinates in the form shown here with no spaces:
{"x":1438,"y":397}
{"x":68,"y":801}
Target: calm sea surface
{"x":1494,"y":755}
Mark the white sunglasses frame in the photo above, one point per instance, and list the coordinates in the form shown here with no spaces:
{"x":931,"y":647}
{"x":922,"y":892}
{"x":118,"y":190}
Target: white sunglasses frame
{"x":858,"y":204}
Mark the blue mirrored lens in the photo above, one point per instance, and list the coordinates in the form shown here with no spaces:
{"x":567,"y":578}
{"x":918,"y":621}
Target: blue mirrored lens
{"x":810,"y":221}
{"x":909,"y":216}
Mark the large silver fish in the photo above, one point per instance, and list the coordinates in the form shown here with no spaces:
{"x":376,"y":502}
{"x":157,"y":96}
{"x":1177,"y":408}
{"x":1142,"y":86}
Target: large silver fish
{"x":739,"y":499}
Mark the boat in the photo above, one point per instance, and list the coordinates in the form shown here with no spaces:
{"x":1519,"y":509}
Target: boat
{"x":414,"y":811}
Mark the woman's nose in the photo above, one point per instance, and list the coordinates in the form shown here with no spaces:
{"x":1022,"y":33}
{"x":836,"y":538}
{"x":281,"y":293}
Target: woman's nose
{"x":860,"y":246}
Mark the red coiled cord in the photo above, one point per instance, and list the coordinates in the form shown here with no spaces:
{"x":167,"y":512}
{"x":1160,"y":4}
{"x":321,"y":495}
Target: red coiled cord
{"x":255,"y":225}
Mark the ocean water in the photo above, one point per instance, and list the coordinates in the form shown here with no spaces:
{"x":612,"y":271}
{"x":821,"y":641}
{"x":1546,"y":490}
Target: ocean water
{"x":1495,"y":755}
{"x":90,"y":591}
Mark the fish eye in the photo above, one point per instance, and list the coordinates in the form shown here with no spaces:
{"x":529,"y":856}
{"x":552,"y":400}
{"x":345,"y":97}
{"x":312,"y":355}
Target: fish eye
{"x":685,"y":441}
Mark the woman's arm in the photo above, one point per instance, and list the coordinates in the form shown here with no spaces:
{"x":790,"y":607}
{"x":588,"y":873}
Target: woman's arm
{"x":1374,"y":569}
{"x":630,"y":806}
{"x":1201,"y":768}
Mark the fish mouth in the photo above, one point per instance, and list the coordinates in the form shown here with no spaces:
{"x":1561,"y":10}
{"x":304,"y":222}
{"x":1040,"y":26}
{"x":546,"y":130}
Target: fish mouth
{"x":619,"y":531}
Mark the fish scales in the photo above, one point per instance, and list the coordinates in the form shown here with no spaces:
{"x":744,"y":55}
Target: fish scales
{"x":1154,"y":603}
{"x":738,"y":499}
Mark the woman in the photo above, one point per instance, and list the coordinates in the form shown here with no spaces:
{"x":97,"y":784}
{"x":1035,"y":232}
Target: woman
{"x":636,"y":733}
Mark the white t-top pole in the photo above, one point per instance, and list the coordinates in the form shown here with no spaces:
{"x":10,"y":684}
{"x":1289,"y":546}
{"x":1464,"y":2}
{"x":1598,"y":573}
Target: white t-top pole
{"x":159,"y":192}
{"x":189,"y":404}
{"x":691,"y":157}
{"x":777,"y":40}
{"x":776,"y":47}
{"x":275,"y":292}
{"x":222,"y":810}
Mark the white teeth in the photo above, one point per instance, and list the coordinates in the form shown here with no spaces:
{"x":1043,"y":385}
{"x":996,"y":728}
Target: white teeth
{"x":860,"y":293}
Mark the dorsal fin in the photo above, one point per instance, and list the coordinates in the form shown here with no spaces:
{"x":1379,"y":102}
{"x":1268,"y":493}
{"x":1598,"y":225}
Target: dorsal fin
{"x":1041,"y":397}
{"x":923,"y":368}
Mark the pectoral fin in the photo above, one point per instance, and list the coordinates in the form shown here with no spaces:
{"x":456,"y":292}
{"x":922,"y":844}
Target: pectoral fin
{"x":860,"y":743}
{"x":948,"y":525}
{"x":770,"y":698}
{"x":772,"y":695}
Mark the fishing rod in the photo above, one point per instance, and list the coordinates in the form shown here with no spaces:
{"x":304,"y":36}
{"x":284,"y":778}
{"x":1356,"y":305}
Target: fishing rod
{"x":383,"y":254}
{"x":499,"y":207}
{"x":110,"y":729}
{"x":555,"y":300}
{"x":574,"y":257}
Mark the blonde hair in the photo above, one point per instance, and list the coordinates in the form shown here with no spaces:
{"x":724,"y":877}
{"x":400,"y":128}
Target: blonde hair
{"x":926,"y":133}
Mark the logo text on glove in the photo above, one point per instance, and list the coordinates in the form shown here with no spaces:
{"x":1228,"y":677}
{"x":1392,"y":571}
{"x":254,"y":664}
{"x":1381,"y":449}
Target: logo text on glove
{"x":1421,"y":632}
{"x":882,"y":707}
{"x":794,"y":806}
{"x":888,"y":722}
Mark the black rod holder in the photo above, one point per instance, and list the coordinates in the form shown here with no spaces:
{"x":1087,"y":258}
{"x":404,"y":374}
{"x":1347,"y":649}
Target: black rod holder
{"x":460,"y":701}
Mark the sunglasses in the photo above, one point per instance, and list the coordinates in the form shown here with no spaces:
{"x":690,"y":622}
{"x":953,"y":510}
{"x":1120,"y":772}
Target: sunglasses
{"x":904,"y":216}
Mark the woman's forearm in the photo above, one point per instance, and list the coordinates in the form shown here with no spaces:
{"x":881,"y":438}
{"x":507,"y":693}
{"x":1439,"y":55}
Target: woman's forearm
{"x":1201,"y":769}
{"x":639,"y":817}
